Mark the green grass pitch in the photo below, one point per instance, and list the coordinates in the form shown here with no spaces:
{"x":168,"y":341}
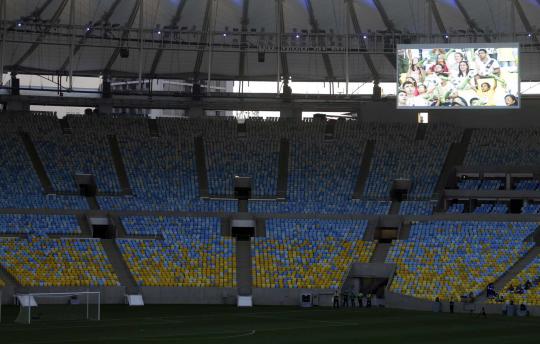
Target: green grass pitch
{"x":275,"y":325}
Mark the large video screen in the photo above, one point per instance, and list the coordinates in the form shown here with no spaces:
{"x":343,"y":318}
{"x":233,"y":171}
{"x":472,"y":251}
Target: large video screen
{"x":458,"y":76}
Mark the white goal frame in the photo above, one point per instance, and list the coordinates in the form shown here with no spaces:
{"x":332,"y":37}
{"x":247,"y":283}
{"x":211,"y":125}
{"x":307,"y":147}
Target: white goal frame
{"x":30,"y":297}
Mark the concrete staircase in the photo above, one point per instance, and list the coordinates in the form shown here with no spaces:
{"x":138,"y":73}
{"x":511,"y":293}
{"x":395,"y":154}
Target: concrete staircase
{"x":394,"y":207}
{"x":84,"y":226}
{"x":283,"y":168}
{"x":380,"y":253}
{"x":512,"y":272}
{"x":369,"y":234}
{"x":330,"y":129}
{"x":92,"y":202}
{"x":36,"y":163}
{"x":153,"y":127}
{"x":202,"y":172}
{"x":404,"y":231}
{"x":421,"y":130}
{"x":455,"y":157}
{"x":119,"y":266}
{"x":66,"y":128}
{"x":244,"y":276}
{"x":8,"y":279}
{"x":364,"y":169}
{"x":119,"y":166}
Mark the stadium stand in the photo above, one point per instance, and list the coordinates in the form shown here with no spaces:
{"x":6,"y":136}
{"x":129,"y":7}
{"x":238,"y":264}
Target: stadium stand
{"x":530,"y":209}
{"x":416,"y":207}
{"x":487,"y":208}
{"x":38,"y":224}
{"x":20,"y":187}
{"x":503,"y":147}
{"x":44,"y":262}
{"x":66,"y":155}
{"x":529,"y":185}
{"x":449,"y":259}
{"x":2,"y":283}
{"x":398,"y":155}
{"x":192,"y":254}
{"x":456,"y":208}
{"x":308,"y":253}
{"x":525,"y":287}
{"x":228,"y":157}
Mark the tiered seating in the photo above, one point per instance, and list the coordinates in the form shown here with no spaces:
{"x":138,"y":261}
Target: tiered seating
{"x":416,"y":208}
{"x":163,"y":174}
{"x":330,"y":207}
{"x":528,"y":185}
{"x":20,"y":186}
{"x":308,"y":253}
{"x":491,"y":184}
{"x":516,"y":291}
{"x":478,"y":184}
{"x":448,"y":259}
{"x":503,"y":147}
{"x":530,"y":209}
{"x":487,"y":208}
{"x":228,"y":157}
{"x":456,"y":208}
{"x":65,"y":155}
{"x":469,"y":184}
{"x":39,"y":261}
{"x":38,"y":224}
{"x":419,"y":161}
{"x":192,"y":254}
{"x":2,"y":283}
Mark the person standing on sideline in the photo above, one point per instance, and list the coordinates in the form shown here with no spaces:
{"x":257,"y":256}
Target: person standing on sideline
{"x":345,"y":301}
{"x":451,"y":306}
{"x":336,"y":300}
{"x":360,"y":297}
{"x":352,"y":298}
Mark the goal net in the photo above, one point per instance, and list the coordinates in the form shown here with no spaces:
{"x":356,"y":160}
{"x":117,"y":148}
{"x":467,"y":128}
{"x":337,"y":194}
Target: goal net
{"x":37,"y":307}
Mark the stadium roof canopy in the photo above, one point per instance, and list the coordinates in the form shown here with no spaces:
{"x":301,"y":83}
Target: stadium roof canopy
{"x":321,"y":40}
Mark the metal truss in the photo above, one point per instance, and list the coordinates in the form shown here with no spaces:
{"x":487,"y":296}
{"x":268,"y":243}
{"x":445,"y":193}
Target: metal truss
{"x":238,"y":42}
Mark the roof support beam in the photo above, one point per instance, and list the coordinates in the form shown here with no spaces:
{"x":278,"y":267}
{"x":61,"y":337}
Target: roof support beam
{"x":39,"y":10}
{"x":125,"y":35}
{"x":525,"y":20}
{"x":243,"y":39}
{"x":283,"y":56}
{"x":34,"y":45}
{"x":104,"y":19}
{"x":358,"y":31}
{"x":472,"y":24}
{"x":437,"y":16}
{"x":391,"y":57}
{"x":204,"y":40}
{"x":315,"y":28}
{"x":174,"y":21}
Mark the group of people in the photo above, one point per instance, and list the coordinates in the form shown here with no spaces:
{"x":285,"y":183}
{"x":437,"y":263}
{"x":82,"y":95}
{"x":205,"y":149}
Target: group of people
{"x":351,"y":299}
{"x":458,"y":77}
{"x":522,"y":288}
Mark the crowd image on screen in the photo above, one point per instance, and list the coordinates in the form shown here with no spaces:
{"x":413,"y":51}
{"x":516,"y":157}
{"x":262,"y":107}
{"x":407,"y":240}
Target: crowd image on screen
{"x":466,"y":77}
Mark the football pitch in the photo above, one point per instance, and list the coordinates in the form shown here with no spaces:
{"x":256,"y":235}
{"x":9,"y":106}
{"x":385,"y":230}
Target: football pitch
{"x":276,"y":325}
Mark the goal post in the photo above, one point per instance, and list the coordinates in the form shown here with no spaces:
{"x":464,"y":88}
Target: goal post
{"x":37,"y":307}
